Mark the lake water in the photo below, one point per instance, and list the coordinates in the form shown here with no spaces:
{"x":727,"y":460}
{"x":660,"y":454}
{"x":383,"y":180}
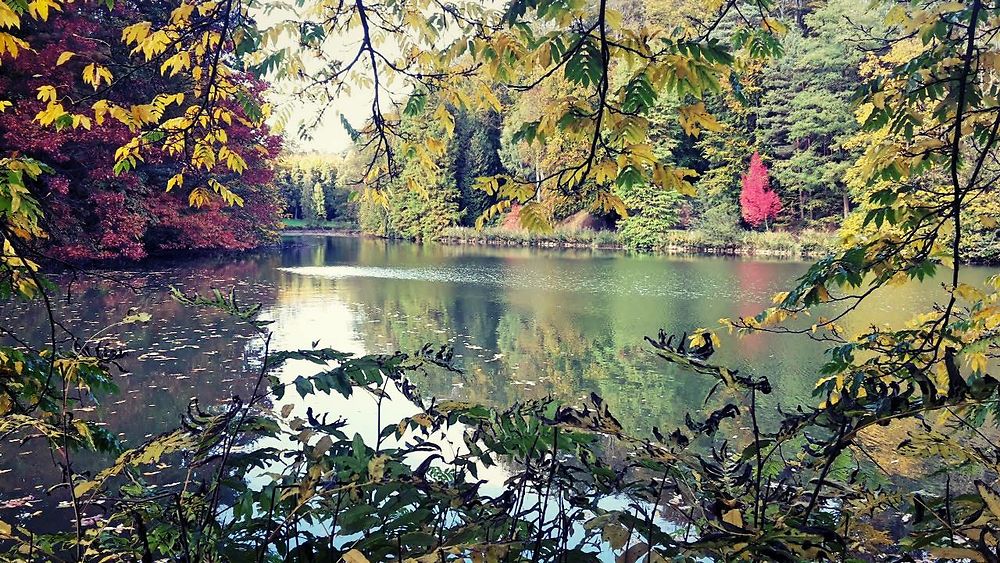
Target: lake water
{"x":524,"y":323}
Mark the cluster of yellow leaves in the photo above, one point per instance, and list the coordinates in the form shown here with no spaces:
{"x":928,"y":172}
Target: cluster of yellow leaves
{"x":22,"y":215}
{"x":695,"y":117}
{"x":187,"y":44}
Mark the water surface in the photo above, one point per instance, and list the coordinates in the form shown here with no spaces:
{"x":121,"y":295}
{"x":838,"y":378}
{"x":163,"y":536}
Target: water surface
{"x":525,"y":323}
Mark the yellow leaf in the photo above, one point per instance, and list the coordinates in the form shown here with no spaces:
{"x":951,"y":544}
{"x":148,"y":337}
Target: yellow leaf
{"x":199,"y":197}
{"x":205,"y":7}
{"x":40,"y":8}
{"x":695,"y":117}
{"x":143,"y":113}
{"x":176,"y":180}
{"x":966,"y":291}
{"x":6,"y":530}
{"x":605,"y":172}
{"x":376,"y":467}
{"x":990,"y":498}
{"x":101,"y":109}
{"x":978,"y":362}
{"x":642,"y":154}
{"x":181,"y":13}
{"x":8,"y":18}
{"x":423,"y":419}
{"x":734,"y":517}
{"x":64,"y":57}
{"x":896,"y":16}
{"x":94,"y":74}
{"x":949,"y":7}
{"x":615,"y":534}
{"x":136,"y":32}
{"x":534,"y":218}
{"x":608,"y":202}
{"x":11,"y":45}
{"x":81,"y":121}
{"x":83,"y":488}
{"x":446,"y":120}
{"x":47,"y":93}
{"x":50,"y":114}
{"x":354,"y":556}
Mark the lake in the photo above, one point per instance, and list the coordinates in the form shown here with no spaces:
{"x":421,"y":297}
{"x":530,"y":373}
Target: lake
{"x":524,"y":323}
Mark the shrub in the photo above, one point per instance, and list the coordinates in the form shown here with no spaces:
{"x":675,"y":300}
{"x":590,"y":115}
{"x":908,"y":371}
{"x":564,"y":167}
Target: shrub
{"x":720,"y":223}
{"x":813,"y":242}
{"x":770,"y":242}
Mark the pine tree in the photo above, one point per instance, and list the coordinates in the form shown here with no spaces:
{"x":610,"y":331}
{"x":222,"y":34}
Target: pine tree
{"x":758,"y":202}
{"x":805,"y":112}
{"x":476,"y":147}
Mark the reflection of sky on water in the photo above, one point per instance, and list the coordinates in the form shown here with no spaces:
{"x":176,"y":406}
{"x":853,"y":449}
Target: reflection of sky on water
{"x":525,"y":323}
{"x":592,"y":281}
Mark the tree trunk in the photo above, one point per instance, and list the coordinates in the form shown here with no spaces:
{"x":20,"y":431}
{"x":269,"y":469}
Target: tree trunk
{"x":847,"y":205}
{"x":538,"y":177}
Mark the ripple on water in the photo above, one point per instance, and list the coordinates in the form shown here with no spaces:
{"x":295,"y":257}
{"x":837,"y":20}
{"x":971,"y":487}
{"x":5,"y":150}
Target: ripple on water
{"x":589,"y":281}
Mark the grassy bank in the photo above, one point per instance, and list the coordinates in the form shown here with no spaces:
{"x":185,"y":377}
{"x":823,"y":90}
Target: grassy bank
{"x":559,"y":237}
{"x":773,"y":243}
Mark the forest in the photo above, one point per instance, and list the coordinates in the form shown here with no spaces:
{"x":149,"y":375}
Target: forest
{"x":862,"y":133}
{"x":777,"y":167}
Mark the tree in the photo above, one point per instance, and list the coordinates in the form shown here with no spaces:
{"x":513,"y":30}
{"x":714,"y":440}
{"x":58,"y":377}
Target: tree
{"x":805,"y":112}
{"x":317,"y":205}
{"x":476,"y":148}
{"x":758,"y":202}
{"x":653,"y":212}
{"x":419,"y":203}
{"x":94,"y":206}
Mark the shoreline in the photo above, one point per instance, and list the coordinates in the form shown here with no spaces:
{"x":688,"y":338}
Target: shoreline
{"x":731,"y":250}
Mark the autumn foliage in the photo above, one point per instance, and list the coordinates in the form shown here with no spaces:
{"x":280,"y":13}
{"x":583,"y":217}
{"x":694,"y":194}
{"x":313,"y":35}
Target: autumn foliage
{"x":758,"y":202}
{"x":92,"y":210}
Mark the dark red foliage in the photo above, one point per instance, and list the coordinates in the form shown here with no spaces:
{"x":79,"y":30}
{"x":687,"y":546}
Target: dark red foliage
{"x":90,"y":211}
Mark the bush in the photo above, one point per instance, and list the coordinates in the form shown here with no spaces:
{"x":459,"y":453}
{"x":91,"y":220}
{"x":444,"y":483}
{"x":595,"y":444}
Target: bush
{"x":520,"y":237}
{"x":721,"y":223}
{"x":813,"y":242}
{"x":770,"y":242}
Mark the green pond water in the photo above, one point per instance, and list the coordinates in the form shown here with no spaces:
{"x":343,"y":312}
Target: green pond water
{"x":525,"y":323}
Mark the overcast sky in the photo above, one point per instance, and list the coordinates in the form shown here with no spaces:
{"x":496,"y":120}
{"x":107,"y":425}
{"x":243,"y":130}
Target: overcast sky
{"x":329,"y":135}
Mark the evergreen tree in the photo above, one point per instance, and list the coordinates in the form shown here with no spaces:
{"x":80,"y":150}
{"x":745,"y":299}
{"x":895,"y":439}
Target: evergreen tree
{"x":476,"y":150}
{"x":654,"y":211}
{"x":806,"y":114}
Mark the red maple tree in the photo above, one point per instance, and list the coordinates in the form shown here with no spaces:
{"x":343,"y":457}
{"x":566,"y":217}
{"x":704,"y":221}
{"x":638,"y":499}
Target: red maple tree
{"x":758,"y":202}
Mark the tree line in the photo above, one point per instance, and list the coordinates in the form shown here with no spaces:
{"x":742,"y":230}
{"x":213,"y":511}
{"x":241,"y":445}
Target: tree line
{"x":778,"y":154}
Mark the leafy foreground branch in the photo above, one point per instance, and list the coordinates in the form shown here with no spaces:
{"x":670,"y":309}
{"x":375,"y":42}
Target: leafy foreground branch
{"x":270,"y":478}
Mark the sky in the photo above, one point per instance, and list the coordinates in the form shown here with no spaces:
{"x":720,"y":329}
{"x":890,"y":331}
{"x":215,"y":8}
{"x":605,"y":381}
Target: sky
{"x":329,"y":135}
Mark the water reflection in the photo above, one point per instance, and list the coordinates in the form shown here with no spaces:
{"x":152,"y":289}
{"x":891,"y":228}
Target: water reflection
{"x":524,"y":323}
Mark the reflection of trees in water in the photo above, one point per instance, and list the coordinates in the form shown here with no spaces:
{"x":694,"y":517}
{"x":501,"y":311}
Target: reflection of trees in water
{"x":541,"y":340}
{"x":179,"y":355}
{"x":531,"y":346}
